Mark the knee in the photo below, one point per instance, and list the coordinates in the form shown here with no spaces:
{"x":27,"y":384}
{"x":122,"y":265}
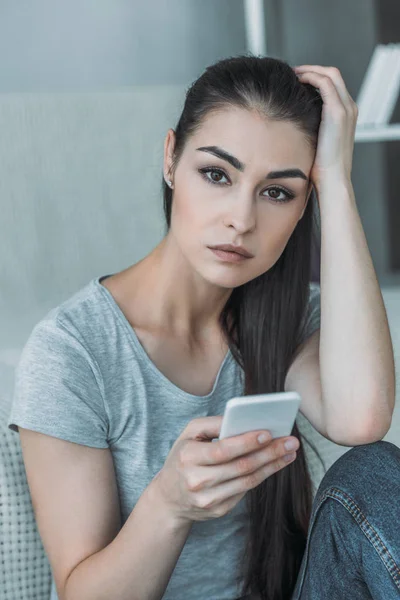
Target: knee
{"x":365,"y":467}
{"x":376,"y":452}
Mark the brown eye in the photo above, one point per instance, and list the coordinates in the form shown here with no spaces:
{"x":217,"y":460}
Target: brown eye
{"x":208,"y":174}
{"x":215,"y":176}
{"x":218,"y":176}
{"x":278,"y":191}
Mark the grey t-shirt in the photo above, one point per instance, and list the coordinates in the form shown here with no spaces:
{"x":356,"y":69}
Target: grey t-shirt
{"x":83,"y":376}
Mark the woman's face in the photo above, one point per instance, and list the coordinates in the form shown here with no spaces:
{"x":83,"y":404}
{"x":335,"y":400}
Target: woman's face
{"x":216,"y":202}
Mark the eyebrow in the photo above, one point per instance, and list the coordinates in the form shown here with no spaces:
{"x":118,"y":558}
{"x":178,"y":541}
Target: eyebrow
{"x":235,"y":162}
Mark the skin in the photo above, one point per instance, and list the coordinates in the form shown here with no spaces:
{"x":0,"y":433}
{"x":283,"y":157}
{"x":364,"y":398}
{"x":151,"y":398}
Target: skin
{"x":175,"y":294}
{"x":183,"y":285}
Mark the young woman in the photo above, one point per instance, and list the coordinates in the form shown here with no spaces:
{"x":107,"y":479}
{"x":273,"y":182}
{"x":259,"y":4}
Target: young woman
{"x":120,"y":389}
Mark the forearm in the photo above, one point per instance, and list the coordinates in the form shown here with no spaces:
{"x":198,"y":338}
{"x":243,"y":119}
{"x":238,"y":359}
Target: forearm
{"x":356,"y":353}
{"x":138,"y":563}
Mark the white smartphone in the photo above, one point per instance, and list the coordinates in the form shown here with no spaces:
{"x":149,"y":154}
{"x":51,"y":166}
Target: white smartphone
{"x":273,"y":412}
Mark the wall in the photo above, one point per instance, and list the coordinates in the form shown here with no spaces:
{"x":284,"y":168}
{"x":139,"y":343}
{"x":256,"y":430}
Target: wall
{"x":53,"y":45}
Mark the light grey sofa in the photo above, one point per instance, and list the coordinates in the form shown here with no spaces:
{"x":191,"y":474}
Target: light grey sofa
{"x":80,"y":196}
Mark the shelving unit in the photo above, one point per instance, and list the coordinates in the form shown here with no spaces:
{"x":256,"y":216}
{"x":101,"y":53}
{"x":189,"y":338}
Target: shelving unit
{"x":378,"y":134}
{"x":379,"y":90}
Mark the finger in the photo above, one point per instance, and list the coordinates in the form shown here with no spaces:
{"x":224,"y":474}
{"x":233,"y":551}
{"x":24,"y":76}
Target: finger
{"x":228,"y":448}
{"x":336,"y":76}
{"x":203,"y":428}
{"x":328,"y":91}
{"x":211,"y":497}
{"x":247,"y":464}
{"x":210,"y":476}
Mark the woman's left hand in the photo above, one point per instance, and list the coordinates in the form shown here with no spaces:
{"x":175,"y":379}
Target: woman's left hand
{"x":334,"y":155}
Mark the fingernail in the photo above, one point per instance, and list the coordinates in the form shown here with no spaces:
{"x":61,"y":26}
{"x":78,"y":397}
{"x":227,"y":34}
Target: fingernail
{"x":263,"y":437}
{"x":291,"y":445}
{"x":289,"y":457}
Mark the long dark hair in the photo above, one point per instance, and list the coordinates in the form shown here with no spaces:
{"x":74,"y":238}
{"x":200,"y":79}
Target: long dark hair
{"x":263,"y":319}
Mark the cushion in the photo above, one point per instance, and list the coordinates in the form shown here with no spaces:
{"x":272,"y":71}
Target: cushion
{"x":25,"y":571}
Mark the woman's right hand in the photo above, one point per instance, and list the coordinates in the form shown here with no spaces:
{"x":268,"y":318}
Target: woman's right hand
{"x":201,"y":480}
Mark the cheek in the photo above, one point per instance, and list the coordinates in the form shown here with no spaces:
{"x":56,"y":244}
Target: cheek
{"x":188,"y":224}
{"x":276,"y":232}
{"x":278,"y":225}
{"x":189,"y":213}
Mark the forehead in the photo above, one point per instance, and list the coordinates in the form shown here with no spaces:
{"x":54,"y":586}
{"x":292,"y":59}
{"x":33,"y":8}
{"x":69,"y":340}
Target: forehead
{"x":254,"y":139}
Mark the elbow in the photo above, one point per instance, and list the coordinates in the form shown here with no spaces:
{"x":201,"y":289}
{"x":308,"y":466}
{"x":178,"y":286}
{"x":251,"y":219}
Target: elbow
{"x":368,"y":434}
{"x":377,"y":430}
{"x":379,"y":422}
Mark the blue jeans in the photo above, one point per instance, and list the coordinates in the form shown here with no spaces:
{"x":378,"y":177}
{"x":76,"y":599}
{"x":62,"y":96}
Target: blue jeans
{"x":353,"y":543}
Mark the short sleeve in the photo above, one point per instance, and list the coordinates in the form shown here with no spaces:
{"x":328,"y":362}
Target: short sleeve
{"x":313,"y":316}
{"x":57,"y":389}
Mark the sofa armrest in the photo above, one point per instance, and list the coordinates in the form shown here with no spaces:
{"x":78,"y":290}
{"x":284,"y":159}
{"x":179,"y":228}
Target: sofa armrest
{"x":25,"y":571}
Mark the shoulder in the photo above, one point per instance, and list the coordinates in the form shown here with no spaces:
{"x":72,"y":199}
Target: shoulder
{"x":65,"y":338}
{"x":81,"y":313}
{"x":82,"y":319}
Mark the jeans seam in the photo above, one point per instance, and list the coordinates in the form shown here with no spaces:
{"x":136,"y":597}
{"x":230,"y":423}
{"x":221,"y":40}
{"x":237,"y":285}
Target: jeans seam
{"x":306,"y":552}
{"x":368,"y":531}
{"x":346,"y":501}
{"x":352,"y":560}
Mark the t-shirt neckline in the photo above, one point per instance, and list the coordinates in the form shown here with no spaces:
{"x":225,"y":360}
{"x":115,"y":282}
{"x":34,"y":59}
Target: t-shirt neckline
{"x":146,"y":358}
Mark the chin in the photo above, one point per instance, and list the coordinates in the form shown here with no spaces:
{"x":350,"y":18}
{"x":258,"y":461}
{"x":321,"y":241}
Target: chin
{"x":230,"y":279}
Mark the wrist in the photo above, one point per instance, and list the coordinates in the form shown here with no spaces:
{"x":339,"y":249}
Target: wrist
{"x":333,"y":180}
{"x":160,"y":507}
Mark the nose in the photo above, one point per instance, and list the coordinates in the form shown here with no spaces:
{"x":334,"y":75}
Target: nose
{"x":241,"y":215}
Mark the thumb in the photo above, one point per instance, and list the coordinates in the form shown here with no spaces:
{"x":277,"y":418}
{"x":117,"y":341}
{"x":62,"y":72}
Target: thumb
{"x":203,"y":428}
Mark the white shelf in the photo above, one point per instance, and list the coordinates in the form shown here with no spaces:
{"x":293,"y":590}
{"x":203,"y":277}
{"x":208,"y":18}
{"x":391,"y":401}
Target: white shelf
{"x":378,"y":133}
{"x":379,"y":90}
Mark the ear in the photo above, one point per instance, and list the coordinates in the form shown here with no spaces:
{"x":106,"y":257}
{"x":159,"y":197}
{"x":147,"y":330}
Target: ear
{"x":308,"y":194}
{"x":169,"y":145}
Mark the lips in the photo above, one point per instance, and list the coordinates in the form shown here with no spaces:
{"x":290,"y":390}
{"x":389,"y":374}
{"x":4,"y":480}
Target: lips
{"x":228,"y":256}
{"x":234,"y":249}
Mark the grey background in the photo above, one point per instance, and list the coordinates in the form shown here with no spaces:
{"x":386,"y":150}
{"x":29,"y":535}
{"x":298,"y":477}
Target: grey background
{"x":54,"y":45}
{"x":93,"y":45}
